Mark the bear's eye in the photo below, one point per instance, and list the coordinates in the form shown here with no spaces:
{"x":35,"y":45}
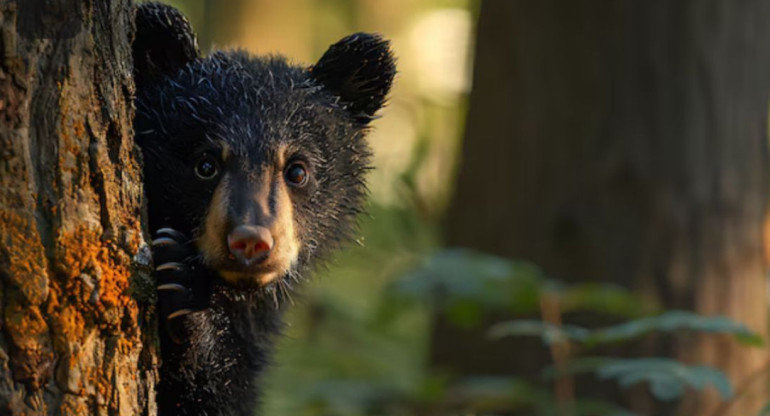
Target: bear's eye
{"x":207,"y":167}
{"x":296,"y":174}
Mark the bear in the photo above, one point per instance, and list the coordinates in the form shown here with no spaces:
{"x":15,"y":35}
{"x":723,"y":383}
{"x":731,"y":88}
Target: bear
{"x":254,"y":172}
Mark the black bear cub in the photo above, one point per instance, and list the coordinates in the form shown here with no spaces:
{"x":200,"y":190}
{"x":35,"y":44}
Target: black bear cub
{"x":254,"y":170}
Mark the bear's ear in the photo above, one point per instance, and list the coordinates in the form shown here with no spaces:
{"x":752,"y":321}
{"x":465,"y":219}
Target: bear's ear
{"x":358,"y":69}
{"x":164,"y":42}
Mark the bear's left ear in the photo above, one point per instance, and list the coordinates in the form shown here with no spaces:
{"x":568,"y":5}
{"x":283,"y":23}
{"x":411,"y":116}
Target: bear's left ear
{"x":358,"y":69}
{"x":164,"y":42}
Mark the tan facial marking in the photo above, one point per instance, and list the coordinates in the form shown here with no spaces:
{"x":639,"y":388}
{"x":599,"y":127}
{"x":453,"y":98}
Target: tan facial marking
{"x":272,"y":199}
{"x":286,"y":242}
{"x":284,"y":232}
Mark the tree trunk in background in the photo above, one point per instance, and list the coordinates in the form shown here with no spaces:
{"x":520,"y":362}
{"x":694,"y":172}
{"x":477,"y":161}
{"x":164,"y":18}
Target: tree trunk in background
{"x":626,"y":142}
{"x":73,"y":340}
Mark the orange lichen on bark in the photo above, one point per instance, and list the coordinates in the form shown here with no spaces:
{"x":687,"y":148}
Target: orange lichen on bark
{"x":92,"y":314}
{"x":83,"y":251}
{"x":68,"y":323}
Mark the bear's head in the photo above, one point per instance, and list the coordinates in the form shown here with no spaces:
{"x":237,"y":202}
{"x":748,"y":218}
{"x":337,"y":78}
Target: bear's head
{"x":261,"y":162}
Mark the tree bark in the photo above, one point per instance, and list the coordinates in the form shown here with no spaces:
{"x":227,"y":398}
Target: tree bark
{"x":77,"y":334}
{"x":626,"y":142}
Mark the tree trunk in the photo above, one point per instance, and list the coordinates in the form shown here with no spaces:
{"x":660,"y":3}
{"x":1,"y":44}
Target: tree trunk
{"x":626,"y":142}
{"x":75,"y":340}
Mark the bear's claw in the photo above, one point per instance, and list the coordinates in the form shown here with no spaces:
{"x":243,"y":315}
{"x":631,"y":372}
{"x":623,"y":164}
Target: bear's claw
{"x":182,"y":283}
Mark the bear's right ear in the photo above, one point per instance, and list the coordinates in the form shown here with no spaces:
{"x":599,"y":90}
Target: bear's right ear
{"x":164,"y":42}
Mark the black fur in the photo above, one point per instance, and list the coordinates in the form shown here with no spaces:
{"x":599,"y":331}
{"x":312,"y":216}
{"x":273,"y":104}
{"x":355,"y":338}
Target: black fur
{"x":254,"y":106}
{"x":359,"y":69}
{"x":164,"y":42}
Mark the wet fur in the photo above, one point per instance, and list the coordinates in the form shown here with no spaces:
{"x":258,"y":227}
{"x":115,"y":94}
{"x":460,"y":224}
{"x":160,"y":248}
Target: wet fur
{"x":256,"y":113}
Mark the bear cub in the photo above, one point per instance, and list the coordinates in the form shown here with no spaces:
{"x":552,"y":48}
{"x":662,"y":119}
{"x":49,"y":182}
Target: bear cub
{"x":254,"y":171}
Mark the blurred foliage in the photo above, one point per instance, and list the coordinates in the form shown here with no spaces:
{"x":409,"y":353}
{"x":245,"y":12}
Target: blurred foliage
{"x":667,"y":379}
{"x":514,"y":286}
{"x":673,"y":321}
{"x":371,"y":359}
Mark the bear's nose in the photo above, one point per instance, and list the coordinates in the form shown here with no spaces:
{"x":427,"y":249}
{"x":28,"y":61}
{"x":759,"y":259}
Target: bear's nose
{"x":249,"y":243}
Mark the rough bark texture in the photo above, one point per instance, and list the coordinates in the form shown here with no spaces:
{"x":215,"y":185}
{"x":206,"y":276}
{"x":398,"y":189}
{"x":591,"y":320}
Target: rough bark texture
{"x":72,"y":340}
{"x":626,"y":142}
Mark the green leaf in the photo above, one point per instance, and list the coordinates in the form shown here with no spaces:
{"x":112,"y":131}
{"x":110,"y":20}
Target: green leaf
{"x":672,"y":321}
{"x":549,"y":333}
{"x":705,"y":375}
{"x":667,"y":379}
{"x":457,"y":275}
